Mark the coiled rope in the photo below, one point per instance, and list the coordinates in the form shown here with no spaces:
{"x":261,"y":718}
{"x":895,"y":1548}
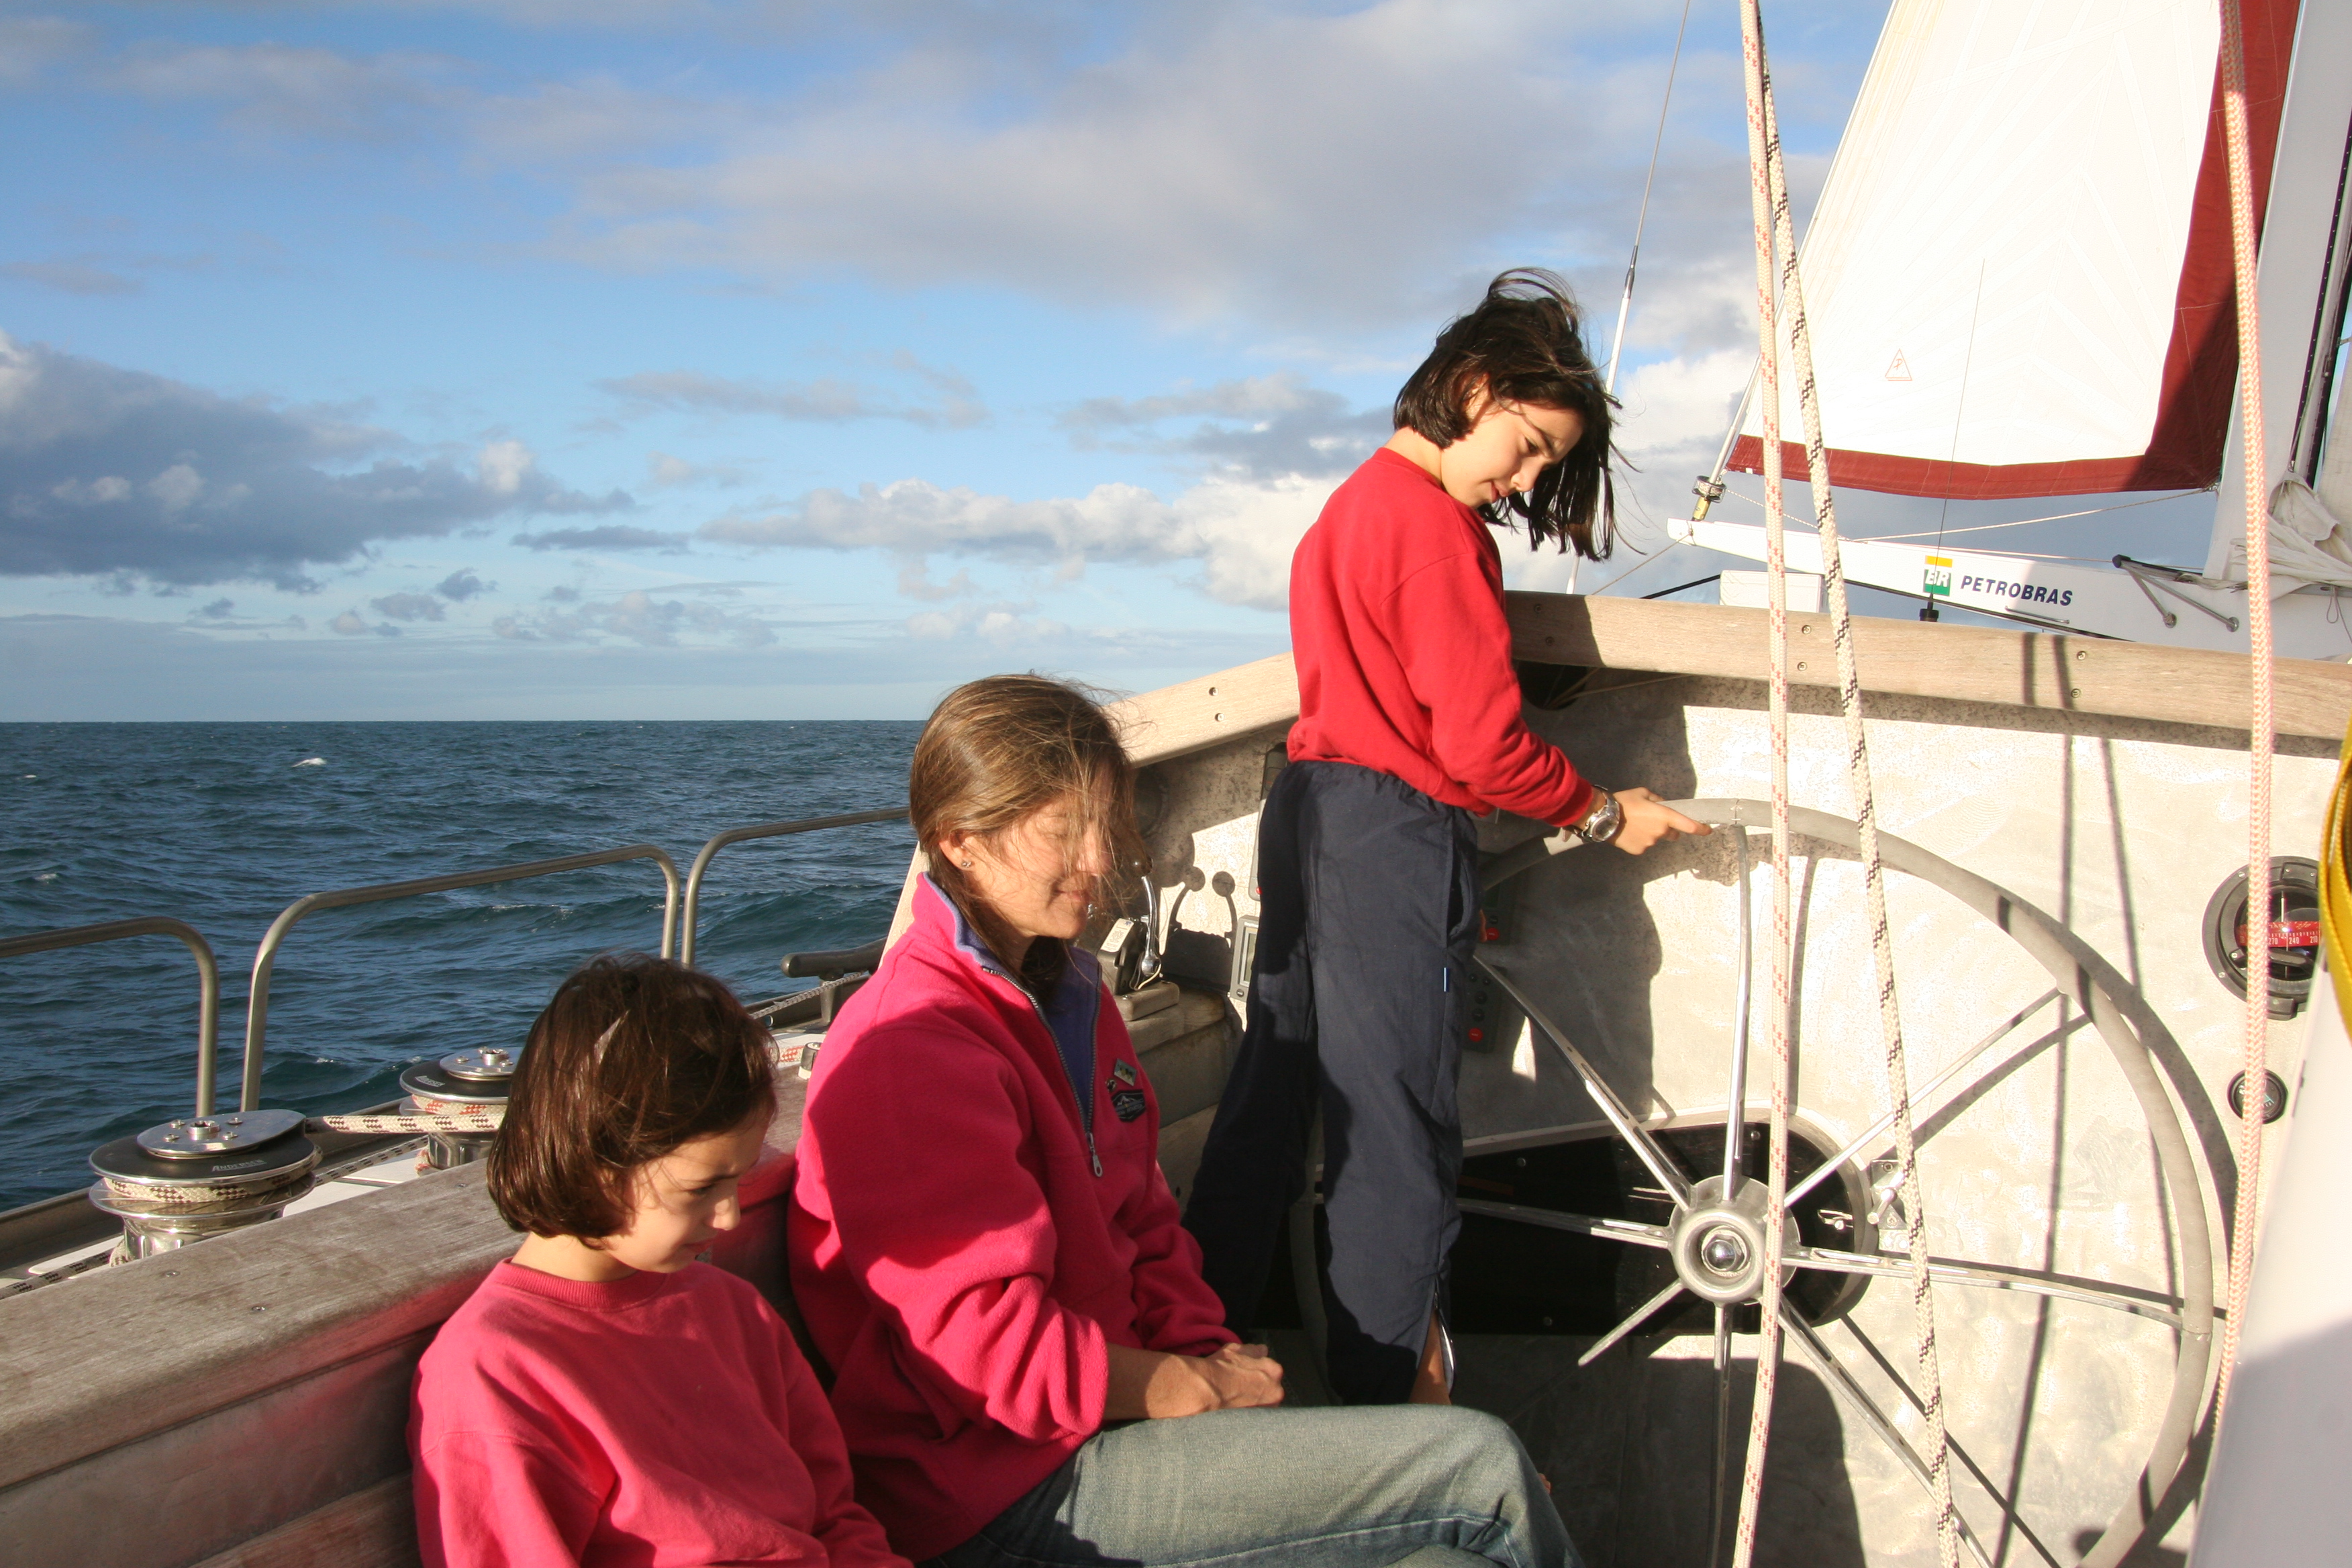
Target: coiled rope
{"x":1769,"y":194}
{"x":2259,"y":738}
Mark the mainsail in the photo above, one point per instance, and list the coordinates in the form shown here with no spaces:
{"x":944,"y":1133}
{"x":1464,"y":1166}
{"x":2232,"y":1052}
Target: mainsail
{"x":2019,"y":274}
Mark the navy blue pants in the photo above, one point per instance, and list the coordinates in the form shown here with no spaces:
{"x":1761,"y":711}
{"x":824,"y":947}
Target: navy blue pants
{"x":1368,"y":914}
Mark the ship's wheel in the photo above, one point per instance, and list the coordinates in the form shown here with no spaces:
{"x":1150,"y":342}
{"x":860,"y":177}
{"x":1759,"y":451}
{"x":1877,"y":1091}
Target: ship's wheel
{"x":1709,"y":1208}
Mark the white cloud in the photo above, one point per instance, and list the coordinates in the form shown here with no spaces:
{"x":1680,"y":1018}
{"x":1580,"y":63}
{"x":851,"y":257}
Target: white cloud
{"x":665,"y":471}
{"x":239,"y":487}
{"x":177,"y":487}
{"x":408,"y":607}
{"x":952,"y":403}
{"x":80,"y":275}
{"x":638,"y":616}
{"x":503,"y":466}
{"x":1254,"y":428}
{"x":1279,"y":160}
{"x":95,"y":492}
{"x":30,"y":45}
{"x":1241,"y":532}
{"x":293,"y":90}
{"x":608,"y":536}
{"x":1001,"y":624}
{"x":349,"y":624}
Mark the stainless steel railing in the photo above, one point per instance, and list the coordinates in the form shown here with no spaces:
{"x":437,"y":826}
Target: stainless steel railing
{"x":764,"y":830}
{"x":257,"y":1014}
{"x":207,"y":978}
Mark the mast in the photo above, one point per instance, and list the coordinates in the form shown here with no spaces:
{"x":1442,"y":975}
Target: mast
{"x":2306,"y":269}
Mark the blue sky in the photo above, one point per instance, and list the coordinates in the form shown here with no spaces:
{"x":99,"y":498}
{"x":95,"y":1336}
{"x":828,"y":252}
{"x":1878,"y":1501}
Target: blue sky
{"x":694,"y":359}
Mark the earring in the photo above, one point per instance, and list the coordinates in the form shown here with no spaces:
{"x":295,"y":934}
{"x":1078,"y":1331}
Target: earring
{"x":965,"y":864}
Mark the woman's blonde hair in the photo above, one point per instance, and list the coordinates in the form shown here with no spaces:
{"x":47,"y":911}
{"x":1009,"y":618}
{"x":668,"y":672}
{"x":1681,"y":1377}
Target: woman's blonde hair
{"x":999,"y":749}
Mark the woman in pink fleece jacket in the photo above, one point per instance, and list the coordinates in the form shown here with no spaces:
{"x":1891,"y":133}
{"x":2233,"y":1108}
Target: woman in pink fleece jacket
{"x":602,"y":1398}
{"x":1029,"y":1368}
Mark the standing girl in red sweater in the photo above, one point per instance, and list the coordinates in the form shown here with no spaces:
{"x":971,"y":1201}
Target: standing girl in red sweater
{"x":603,"y":1398}
{"x":1409,"y":725}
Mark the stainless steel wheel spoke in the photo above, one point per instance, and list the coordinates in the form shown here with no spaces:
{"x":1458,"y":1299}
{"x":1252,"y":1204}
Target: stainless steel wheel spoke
{"x":1959,"y":1453}
{"x":1735,"y":1100}
{"x":1620,"y":1117}
{"x":1640,"y":1314}
{"x":1631,"y":1230}
{"x":1921,"y":1100}
{"x":1722,"y":1430}
{"x":1990,"y":1277}
{"x":1834,"y":1372}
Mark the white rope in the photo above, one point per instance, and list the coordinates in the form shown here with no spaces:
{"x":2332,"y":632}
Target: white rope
{"x":1873,"y":872}
{"x":171,"y":1199}
{"x":485,"y":1119}
{"x":1769,"y":184}
{"x":2260,"y":739}
{"x":1767,"y":1348}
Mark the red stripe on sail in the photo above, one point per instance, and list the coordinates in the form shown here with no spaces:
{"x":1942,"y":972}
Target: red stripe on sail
{"x":2200,"y":364}
{"x":1961,"y":481}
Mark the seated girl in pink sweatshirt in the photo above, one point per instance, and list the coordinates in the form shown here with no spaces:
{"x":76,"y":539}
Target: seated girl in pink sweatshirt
{"x":603,"y":1398}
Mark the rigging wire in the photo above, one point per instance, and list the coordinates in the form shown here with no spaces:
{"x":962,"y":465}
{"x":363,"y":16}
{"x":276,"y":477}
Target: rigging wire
{"x":1625,"y":305}
{"x":1645,"y":561}
{"x":2054,"y":517}
{"x":1967,"y":363}
{"x":1987,"y":527}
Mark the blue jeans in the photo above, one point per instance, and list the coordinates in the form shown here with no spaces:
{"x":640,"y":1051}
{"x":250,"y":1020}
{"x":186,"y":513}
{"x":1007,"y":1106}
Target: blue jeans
{"x":1348,"y":1488}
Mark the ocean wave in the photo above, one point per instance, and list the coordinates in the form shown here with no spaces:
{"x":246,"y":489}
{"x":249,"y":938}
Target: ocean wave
{"x":179,"y":819}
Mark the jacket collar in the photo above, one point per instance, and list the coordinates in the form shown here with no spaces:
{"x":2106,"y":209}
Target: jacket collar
{"x":939,"y":921}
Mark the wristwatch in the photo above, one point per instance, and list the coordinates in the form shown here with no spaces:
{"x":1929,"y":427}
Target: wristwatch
{"x":1602,"y":824}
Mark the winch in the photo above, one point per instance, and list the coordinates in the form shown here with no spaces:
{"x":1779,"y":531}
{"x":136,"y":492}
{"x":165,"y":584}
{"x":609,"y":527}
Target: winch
{"x":197,"y":1176}
{"x":469,"y":1086}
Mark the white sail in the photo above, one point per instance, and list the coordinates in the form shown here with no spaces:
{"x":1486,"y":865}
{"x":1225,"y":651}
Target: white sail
{"x":1995,"y":274}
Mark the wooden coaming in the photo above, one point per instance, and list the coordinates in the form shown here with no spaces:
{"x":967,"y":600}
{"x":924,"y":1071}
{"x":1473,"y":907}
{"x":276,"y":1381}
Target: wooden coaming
{"x":2045,"y":670}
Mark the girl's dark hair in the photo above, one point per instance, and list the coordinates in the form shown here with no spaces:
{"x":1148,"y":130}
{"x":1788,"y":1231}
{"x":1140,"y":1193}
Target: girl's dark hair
{"x":633,"y":1057}
{"x":997,"y":750}
{"x":1524,"y":345}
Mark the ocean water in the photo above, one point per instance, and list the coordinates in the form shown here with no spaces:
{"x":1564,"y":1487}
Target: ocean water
{"x":223,"y":825}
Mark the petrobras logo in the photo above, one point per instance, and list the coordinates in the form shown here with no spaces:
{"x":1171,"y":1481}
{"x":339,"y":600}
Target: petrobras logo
{"x":1936,"y":577}
{"x":2017,"y":593}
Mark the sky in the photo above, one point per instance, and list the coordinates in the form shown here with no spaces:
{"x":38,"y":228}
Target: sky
{"x":643,"y":359}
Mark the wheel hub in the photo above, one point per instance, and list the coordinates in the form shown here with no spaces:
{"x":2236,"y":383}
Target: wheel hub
{"x":1718,"y":1245}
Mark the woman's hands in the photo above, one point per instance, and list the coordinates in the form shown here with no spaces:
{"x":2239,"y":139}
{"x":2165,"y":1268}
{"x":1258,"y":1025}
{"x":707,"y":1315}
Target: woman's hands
{"x":1650,"y":820}
{"x":1155,"y":1385}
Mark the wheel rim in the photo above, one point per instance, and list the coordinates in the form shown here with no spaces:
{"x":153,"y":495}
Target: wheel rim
{"x":2133,"y":1034}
